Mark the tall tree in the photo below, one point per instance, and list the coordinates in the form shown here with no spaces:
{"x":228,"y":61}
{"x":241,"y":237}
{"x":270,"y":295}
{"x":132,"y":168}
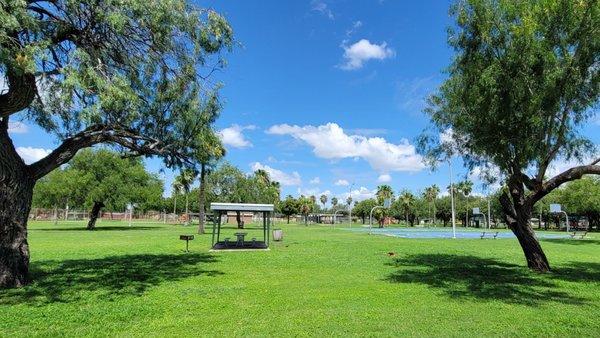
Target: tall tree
{"x":229,"y":184}
{"x":323,"y":200}
{"x":100,"y":178}
{"x":210,"y":150}
{"x":289,"y":207}
{"x":384,"y":192}
{"x":334,"y":202}
{"x":465,"y":188}
{"x":184,"y":180}
{"x":176,"y":189}
{"x":127,"y":73}
{"x":524,"y":80}
{"x":407,"y":202}
{"x":431,"y":194}
{"x":306,"y":205}
{"x":58,"y":189}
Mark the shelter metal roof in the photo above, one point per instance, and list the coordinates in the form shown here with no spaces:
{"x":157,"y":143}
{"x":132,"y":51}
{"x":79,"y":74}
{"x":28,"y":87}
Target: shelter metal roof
{"x":242,"y":207}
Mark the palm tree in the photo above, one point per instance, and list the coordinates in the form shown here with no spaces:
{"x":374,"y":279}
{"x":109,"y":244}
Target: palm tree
{"x":407,"y":200}
{"x":334,"y":202}
{"x":430,"y":194}
{"x":263,"y":176}
{"x":185,"y":180}
{"x":465,"y":188}
{"x":209,"y":152}
{"x":384,"y":192}
{"x":349,"y":201}
{"x":176,"y":189}
{"x":323,"y":200}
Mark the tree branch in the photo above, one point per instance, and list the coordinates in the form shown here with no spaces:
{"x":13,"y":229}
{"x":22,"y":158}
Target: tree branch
{"x":99,"y":134}
{"x":569,"y":175}
{"x":21,"y":92}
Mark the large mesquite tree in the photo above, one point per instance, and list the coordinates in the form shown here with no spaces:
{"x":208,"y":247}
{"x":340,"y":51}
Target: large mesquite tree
{"x":131,"y":74}
{"x":524,"y":80}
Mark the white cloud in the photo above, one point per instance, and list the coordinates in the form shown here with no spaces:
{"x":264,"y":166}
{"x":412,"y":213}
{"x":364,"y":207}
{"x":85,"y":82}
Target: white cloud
{"x":17,"y":127}
{"x":234,"y":137}
{"x":31,"y":155}
{"x":278,"y":175}
{"x":362,"y":51}
{"x":329,"y":141}
{"x":384,"y":178}
{"x":358,"y":195}
{"x":342,"y":183}
{"x":315,"y":180}
{"x":321,"y":7}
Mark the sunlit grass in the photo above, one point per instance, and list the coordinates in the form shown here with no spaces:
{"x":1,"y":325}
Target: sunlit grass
{"x":137,"y":281}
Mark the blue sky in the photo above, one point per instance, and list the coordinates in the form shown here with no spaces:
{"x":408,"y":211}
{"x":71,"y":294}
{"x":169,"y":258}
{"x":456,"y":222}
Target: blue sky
{"x":326,"y":95}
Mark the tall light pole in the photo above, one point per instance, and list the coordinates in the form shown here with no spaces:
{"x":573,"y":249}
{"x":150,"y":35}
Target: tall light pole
{"x":452,"y":199}
{"x":350,"y":205}
{"x":489,"y":211}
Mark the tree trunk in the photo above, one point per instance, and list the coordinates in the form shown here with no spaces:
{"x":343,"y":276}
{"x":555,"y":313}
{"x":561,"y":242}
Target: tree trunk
{"x":187,"y":213}
{"x":517,"y":214}
{"x":536,"y":259}
{"x":288,"y":219}
{"x":238,"y":218}
{"x":98,"y":205}
{"x":201,"y":199}
{"x":16,"y":192}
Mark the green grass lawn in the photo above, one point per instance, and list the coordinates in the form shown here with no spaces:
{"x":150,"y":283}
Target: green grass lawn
{"x":319,"y":281}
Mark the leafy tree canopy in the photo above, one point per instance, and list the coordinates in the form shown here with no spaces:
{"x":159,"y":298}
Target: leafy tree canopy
{"x":100,"y":175}
{"x":128,"y":73}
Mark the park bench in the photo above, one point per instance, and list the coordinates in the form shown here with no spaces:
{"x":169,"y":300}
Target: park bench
{"x":489,"y":233}
{"x":580,"y":234}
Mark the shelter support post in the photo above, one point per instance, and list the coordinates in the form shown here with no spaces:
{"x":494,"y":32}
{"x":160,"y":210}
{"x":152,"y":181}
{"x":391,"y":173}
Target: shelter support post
{"x":219,"y":227}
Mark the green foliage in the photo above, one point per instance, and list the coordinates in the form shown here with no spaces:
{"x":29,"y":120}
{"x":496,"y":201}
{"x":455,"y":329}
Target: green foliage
{"x":228,"y":184}
{"x":289,"y":206}
{"x":100,"y":175}
{"x":362,"y":209}
{"x":580,"y":198}
{"x":384,"y":192}
{"x":59,"y":188}
{"x":522,"y":82}
{"x":132,"y":73}
{"x":323,"y":200}
{"x":334,"y":202}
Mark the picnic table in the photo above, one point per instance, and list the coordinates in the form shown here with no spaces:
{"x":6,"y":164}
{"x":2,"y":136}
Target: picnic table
{"x":240,"y":238}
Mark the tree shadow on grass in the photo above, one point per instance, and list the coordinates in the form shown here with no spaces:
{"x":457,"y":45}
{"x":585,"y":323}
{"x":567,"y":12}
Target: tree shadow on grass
{"x":579,"y":272}
{"x":101,"y":228}
{"x":108,"y":278}
{"x":471,"y":277}
{"x":571,"y":241}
